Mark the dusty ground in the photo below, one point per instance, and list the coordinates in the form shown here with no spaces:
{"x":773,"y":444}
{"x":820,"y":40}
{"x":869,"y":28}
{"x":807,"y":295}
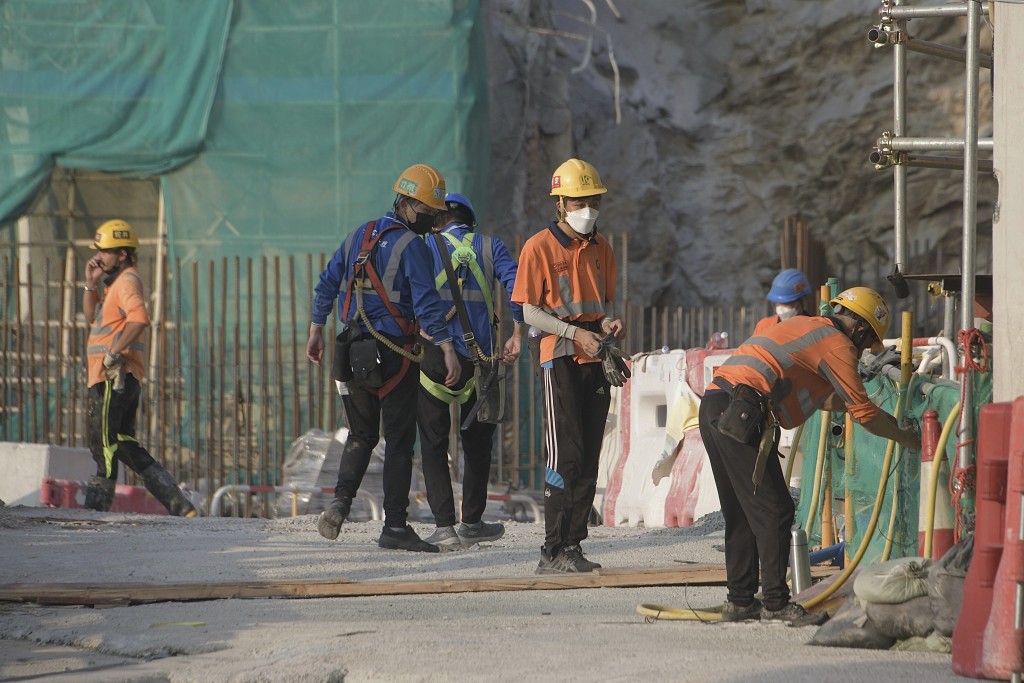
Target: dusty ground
{"x":565,"y":635}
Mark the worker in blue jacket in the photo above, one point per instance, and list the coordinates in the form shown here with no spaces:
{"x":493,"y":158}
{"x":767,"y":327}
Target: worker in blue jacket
{"x":475,"y":262}
{"x":381,"y":276}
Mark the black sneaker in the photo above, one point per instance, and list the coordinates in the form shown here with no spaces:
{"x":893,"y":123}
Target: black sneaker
{"x":734,"y":612}
{"x":481,"y":532}
{"x":569,"y":560}
{"x":794,"y":615}
{"x":331,"y":519}
{"x":405,"y":539}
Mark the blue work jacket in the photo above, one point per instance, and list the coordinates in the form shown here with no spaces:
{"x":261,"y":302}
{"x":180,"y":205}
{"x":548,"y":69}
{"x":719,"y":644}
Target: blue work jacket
{"x":496,"y":263}
{"x":404,"y":266}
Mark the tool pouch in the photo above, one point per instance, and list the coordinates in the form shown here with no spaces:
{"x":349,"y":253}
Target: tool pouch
{"x":495,"y":408}
{"x":364,"y":359}
{"x":743,"y":418}
{"x":341,"y":368}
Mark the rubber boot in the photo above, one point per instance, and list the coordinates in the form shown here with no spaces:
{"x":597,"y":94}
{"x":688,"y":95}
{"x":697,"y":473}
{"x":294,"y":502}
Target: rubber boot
{"x":100,"y":494}
{"x":161,"y":484}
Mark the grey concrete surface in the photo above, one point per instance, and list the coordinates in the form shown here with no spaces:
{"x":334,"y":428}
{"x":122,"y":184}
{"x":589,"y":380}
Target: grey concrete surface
{"x":566,"y":635}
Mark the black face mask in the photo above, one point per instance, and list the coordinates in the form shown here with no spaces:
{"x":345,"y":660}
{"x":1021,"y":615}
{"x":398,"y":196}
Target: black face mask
{"x":423,"y":224}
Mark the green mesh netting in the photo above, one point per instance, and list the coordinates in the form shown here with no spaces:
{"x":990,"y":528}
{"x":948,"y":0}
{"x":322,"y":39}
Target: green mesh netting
{"x":865,"y":469}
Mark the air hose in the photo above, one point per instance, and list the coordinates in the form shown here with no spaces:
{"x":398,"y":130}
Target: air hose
{"x":663,"y":613}
{"x":933,"y":482}
{"x":906,"y":379}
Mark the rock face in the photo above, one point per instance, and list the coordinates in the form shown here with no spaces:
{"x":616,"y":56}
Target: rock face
{"x":734,"y":115}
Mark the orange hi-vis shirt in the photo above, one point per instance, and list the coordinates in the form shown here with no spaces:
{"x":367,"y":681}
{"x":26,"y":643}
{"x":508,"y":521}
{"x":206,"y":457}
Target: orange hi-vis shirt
{"x":799,"y":362}
{"x":571,"y":279}
{"x":123,"y":302}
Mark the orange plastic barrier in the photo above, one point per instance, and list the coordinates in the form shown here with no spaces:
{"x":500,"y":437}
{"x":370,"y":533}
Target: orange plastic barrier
{"x":994,"y":422}
{"x":67,"y":493}
{"x":942,"y":530}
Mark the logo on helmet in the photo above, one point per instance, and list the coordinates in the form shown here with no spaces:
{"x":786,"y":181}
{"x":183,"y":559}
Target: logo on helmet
{"x":121,"y":235}
{"x":409,"y":186}
{"x":586,"y":180}
{"x":881,"y":314}
{"x":439,"y":193}
{"x":556,"y":181}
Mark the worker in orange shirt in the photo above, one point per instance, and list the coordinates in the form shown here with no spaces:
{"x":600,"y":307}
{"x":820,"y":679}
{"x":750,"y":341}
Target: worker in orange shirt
{"x":782,"y":377}
{"x":115,"y":305}
{"x":788,"y":292}
{"x":566,"y":284}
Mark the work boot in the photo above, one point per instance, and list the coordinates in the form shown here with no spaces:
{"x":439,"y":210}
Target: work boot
{"x":735,"y":612}
{"x":569,"y":560}
{"x":446,"y":537}
{"x":159,"y":482}
{"x":793,"y":614}
{"x":406,"y":539}
{"x":480,"y":532}
{"x":331,"y":519}
{"x":100,"y":494}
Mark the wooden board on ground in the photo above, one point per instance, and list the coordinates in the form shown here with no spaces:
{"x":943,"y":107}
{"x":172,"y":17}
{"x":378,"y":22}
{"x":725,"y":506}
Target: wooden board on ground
{"x":140,"y":593}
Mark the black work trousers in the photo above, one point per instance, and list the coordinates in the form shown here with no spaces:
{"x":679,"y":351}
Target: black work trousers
{"x":110,"y":428}
{"x":576,"y":400}
{"x":757,"y":524}
{"x":366,"y":413}
{"x":434,"y":419}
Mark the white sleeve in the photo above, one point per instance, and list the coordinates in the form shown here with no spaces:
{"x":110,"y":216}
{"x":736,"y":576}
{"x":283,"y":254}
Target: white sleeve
{"x":545,"y":322}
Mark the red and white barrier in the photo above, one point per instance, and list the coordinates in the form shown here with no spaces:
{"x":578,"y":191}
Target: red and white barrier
{"x":1003,"y":642}
{"x":652,"y":461}
{"x":67,"y":493}
{"x":993,"y":451}
{"x":942,"y":527}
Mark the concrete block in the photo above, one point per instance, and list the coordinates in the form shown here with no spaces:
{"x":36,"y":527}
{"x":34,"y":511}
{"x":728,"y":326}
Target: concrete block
{"x":24,"y":465}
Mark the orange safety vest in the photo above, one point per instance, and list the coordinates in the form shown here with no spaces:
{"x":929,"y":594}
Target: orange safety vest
{"x":571,"y":279}
{"x":799,"y":362}
{"x":123,"y":302}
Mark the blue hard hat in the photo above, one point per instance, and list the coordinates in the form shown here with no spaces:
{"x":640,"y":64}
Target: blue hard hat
{"x":789,"y":285}
{"x":454,"y":199}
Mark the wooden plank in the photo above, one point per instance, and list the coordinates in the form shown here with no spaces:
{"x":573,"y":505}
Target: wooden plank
{"x":141,"y":593}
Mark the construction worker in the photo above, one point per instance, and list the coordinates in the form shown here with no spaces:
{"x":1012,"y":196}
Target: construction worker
{"x":566,"y":284}
{"x":782,"y":377}
{"x":475,"y":262}
{"x":115,"y":305}
{"x":382,"y":278}
{"x":788,"y":292}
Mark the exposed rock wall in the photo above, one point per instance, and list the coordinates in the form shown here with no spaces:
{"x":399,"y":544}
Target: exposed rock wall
{"x":734,"y":114}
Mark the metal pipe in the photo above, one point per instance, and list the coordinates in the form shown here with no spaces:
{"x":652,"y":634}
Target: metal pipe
{"x":899,"y":144}
{"x":965,"y":455}
{"x":899,"y":114}
{"x":955,"y":54}
{"x":894,"y":12}
{"x":882,"y":160}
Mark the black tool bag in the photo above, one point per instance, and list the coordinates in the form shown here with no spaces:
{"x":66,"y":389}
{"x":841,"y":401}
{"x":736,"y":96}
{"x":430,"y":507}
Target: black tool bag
{"x":364,"y":358}
{"x":744,"y":417}
{"x":341,"y":368}
{"x":495,"y":407}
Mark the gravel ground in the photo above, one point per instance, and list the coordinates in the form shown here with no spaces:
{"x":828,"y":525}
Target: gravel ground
{"x":572,"y":635}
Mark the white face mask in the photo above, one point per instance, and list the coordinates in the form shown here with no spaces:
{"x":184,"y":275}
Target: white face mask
{"x":582,"y":220}
{"x":785,"y":311}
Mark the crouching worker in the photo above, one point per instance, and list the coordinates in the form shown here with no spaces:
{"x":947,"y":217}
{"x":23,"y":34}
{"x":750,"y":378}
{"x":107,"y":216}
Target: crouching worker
{"x":466,"y":267}
{"x":792,"y":369}
{"x":113,"y":301}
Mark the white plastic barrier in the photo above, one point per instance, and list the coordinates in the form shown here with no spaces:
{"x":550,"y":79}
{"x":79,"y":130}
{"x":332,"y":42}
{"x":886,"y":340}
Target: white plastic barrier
{"x":653,"y":461}
{"x":25,"y":465}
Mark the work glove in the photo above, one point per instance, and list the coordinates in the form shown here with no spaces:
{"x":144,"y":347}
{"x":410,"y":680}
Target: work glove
{"x":113,"y":368}
{"x":613,"y":362}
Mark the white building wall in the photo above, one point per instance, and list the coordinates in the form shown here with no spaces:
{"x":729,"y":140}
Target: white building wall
{"x":1008,"y":221}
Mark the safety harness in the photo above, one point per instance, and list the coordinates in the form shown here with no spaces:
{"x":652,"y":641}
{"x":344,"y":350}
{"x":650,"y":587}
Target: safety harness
{"x":363,"y":271}
{"x":463,"y":255}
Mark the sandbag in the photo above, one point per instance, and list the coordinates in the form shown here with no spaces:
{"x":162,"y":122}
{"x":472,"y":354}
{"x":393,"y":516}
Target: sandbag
{"x":935,"y":642}
{"x":850,"y":627}
{"x":946,"y":585}
{"x":909,"y":619}
{"x":893,"y":582}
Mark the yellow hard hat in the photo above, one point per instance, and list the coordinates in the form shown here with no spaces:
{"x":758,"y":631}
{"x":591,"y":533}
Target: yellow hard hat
{"x":576,"y":178}
{"x":114,"y":234}
{"x":868,"y":304}
{"x":424,"y":183}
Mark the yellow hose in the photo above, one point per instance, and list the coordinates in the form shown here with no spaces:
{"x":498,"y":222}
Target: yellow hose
{"x":906,"y":373}
{"x":849,"y":527}
{"x":663,"y":613}
{"x":819,"y":467}
{"x":933,"y":482}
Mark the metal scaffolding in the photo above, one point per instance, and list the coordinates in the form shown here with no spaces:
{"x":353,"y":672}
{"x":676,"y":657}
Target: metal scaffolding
{"x":893,"y":150}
